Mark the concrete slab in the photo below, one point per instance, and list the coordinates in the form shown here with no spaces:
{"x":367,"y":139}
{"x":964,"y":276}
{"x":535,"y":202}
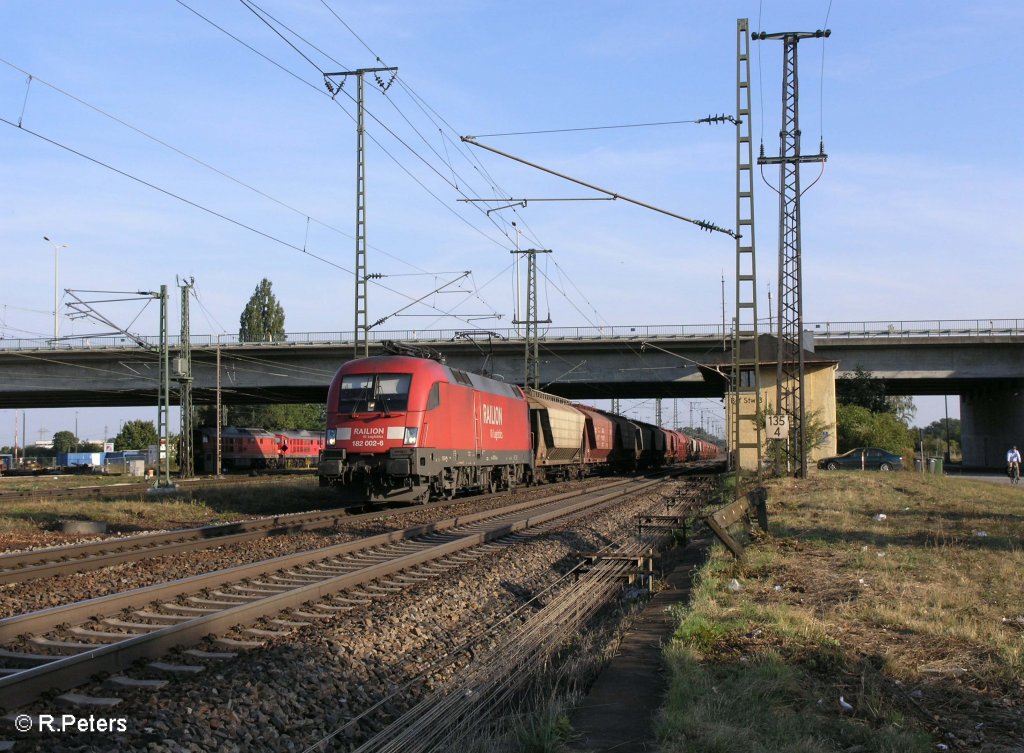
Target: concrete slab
{"x":617,"y":715}
{"x":77,"y":699}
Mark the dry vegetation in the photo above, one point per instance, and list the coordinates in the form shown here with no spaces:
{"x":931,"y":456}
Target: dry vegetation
{"x":34,"y":523}
{"x":884,"y":612}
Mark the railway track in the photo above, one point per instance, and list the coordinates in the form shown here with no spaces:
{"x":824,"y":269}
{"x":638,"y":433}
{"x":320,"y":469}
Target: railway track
{"x":76,"y":558}
{"x":114,"y":491}
{"x":139,"y":489}
{"x":485,"y":698}
{"x":63,"y":647}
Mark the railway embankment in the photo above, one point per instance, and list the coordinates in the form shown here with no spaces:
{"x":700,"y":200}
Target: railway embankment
{"x":881,"y":612}
{"x":436,"y":643}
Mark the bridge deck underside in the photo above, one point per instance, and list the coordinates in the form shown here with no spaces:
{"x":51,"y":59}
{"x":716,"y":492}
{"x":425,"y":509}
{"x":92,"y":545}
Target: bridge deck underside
{"x":580,"y":370}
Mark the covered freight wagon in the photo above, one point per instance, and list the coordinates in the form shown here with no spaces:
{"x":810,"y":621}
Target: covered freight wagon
{"x":558,"y":431}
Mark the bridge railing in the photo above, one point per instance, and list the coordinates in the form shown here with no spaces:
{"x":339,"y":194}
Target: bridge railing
{"x":917,"y":328}
{"x":825,"y":331}
{"x":640,"y":331}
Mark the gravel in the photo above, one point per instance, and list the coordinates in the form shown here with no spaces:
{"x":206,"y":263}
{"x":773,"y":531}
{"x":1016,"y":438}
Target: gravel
{"x":296,"y":690}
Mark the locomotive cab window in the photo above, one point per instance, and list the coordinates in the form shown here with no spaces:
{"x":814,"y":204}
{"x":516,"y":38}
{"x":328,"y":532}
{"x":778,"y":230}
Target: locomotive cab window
{"x":434,"y":397}
{"x":374,"y":393}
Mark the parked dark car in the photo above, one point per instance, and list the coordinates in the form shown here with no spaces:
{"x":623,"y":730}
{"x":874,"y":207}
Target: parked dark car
{"x":867,"y":458}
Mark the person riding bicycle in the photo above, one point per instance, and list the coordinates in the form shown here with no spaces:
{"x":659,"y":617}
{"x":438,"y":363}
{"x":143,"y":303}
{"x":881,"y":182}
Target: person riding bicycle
{"x":1013,"y":462}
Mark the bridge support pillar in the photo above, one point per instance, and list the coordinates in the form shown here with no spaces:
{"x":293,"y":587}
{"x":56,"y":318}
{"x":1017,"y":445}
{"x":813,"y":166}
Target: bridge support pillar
{"x":991,"y":422}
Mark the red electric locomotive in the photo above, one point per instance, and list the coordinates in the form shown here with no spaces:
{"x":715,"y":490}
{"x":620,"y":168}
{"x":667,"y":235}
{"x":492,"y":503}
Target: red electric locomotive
{"x":401,"y":428}
{"x":404,"y":429}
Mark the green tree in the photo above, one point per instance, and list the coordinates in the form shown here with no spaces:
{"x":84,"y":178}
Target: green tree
{"x":938,"y":429}
{"x":868,"y":391}
{"x":64,"y":441}
{"x":269,"y":417}
{"x":859,"y":427}
{"x":902,"y":406}
{"x":935,"y":435}
{"x":136,"y":435}
{"x":262,"y":319}
{"x":862,"y":389}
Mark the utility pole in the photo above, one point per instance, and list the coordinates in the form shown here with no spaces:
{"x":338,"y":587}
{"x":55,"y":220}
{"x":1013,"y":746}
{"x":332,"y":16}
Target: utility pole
{"x":790,"y":398}
{"x":183,"y":372}
{"x":164,"y":408}
{"x":743,"y":404}
{"x":616,"y":406}
{"x":657,"y":411}
{"x":724,"y":338}
{"x":362,"y":323}
{"x":217,"y":450}
{"x":531,"y":373}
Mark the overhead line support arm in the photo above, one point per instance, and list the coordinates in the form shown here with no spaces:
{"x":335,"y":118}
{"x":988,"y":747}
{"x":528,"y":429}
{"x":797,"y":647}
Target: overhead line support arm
{"x":703,"y":224}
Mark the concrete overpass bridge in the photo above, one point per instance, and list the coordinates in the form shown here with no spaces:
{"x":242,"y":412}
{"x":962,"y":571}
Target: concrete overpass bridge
{"x":981,"y":361}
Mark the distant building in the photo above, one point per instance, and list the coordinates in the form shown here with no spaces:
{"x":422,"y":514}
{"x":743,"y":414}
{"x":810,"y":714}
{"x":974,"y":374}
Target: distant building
{"x":819,"y":399}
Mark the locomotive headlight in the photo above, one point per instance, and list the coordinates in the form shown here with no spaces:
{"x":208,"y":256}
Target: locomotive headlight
{"x":332,"y":436}
{"x":411,"y":433}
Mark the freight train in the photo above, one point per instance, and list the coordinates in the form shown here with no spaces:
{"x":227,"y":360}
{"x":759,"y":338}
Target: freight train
{"x":401,"y":428}
{"x":256,"y":449}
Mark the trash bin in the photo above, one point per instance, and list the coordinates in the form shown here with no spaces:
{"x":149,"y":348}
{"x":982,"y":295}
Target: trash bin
{"x":931,"y":465}
{"x":918,"y":465}
{"x":935,"y":465}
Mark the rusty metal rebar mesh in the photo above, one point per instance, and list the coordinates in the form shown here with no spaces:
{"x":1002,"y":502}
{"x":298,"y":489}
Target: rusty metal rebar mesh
{"x":482,"y":702}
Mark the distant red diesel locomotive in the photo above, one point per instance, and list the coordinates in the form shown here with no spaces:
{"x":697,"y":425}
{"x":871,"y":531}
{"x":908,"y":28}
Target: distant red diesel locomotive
{"x":404,"y":429}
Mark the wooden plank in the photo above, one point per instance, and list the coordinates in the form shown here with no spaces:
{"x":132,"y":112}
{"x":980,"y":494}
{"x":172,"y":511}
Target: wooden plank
{"x":721,"y":520}
{"x":723,"y":535}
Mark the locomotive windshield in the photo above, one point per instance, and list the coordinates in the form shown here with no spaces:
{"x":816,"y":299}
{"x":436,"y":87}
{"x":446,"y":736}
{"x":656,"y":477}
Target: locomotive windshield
{"x":374,"y":393}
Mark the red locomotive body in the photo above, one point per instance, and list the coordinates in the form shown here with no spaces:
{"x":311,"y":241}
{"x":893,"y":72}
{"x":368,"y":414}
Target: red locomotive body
{"x":255,"y":449}
{"x":298,"y":449}
{"x":403,"y":428}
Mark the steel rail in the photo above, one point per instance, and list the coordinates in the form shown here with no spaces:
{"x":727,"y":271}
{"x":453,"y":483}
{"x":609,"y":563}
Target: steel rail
{"x":80,"y":611}
{"x":16,"y":567}
{"x":62,"y":672}
{"x":443,"y":717}
{"x":436,"y":723}
{"x":77,"y":558}
{"x":20,"y":566}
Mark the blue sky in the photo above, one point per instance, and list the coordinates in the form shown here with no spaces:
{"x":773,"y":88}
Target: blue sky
{"x":917,"y":104}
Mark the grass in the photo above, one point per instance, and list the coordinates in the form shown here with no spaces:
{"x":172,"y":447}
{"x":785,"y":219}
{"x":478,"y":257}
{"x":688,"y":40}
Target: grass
{"x":47,"y":481}
{"x":915,"y":619}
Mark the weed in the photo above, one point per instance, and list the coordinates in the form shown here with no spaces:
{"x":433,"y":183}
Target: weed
{"x":840,"y":601}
